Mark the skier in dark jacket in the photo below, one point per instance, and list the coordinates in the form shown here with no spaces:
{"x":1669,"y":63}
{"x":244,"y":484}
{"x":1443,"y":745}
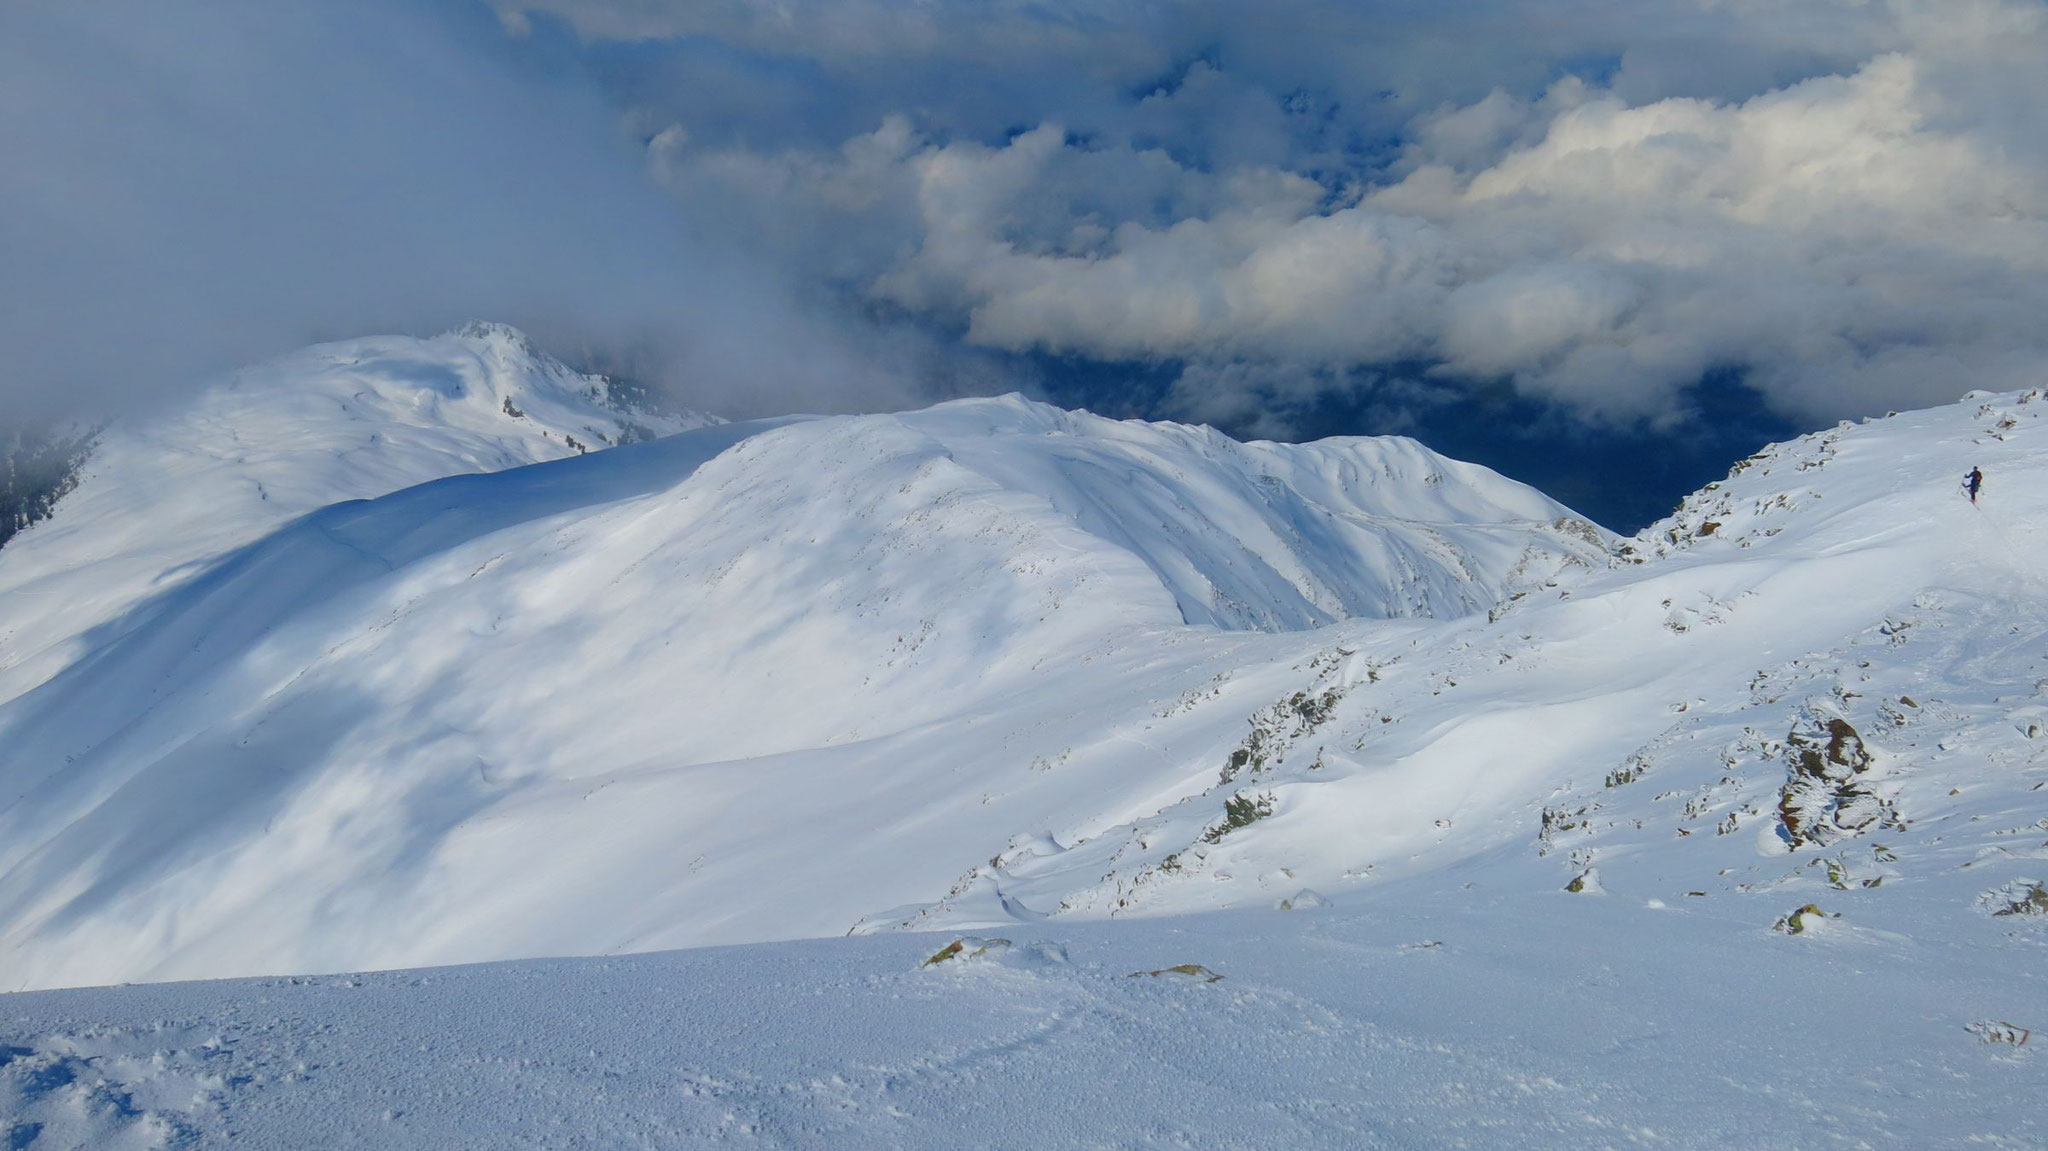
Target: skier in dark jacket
{"x":1973,"y":482}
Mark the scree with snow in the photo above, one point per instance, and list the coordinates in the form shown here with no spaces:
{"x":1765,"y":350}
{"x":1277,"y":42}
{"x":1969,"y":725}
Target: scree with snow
{"x":1174,"y":791}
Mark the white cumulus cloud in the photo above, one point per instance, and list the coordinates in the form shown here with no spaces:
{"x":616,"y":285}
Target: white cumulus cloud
{"x":1871,"y":235}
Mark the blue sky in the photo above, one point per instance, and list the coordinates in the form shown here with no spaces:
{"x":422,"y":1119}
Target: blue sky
{"x":1604,"y":245}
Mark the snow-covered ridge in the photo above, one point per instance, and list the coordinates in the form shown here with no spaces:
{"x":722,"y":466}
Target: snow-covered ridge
{"x":1822,"y":679}
{"x":1265,"y":536}
{"x":403,"y":679}
{"x":1851,"y":649}
{"x":163,"y":495}
{"x":993,"y":662}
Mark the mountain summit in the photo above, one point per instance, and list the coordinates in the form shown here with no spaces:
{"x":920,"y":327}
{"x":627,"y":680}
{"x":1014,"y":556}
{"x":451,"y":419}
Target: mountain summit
{"x":158,"y":498}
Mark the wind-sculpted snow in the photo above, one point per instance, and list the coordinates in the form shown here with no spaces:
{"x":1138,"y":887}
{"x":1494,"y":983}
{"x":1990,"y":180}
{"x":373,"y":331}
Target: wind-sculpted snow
{"x":994,"y":663}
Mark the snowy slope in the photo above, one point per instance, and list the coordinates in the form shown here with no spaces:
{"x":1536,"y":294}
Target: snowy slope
{"x":1738,"y":838}
{"x":1411,"y":1016}
{"x":1825,"y":680}
{"x":992,"y":663}
{"x":163,"y":496}
{"x":748,"y":682}
{"x":1277,"y":537}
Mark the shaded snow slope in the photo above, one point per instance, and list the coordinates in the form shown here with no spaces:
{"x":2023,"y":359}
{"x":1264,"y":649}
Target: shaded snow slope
{"x":160,"y":498}
{"x":750,"y":681}
{"x":1411,"y":1016}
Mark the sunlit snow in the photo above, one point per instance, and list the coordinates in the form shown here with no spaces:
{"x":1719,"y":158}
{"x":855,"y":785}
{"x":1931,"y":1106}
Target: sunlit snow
{"x":1732,"y":834}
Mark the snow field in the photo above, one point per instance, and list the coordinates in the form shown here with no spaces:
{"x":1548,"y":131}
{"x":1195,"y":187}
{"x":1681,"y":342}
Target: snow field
{"x":1417,"y":1015}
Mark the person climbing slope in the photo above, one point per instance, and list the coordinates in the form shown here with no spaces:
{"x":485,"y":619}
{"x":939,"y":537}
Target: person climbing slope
{"x":1973,"y":482}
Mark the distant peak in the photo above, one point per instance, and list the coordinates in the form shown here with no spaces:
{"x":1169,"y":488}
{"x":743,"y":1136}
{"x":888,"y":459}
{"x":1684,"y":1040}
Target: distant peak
{"x":493,"y":332}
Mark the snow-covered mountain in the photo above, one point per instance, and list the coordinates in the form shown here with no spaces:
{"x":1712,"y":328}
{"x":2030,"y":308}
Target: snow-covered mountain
{"x":1823,"y":676}
{"x":159,"y":498}
{"x":1426,"y":813}
{"x":585,"y":706}
{"x":984,"y":664}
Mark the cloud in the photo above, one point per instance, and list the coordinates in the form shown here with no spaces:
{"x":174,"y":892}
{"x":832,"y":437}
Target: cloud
{"x":1600,"y":203}
{"x":844,"y":204}
{"x":186,"y":188}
